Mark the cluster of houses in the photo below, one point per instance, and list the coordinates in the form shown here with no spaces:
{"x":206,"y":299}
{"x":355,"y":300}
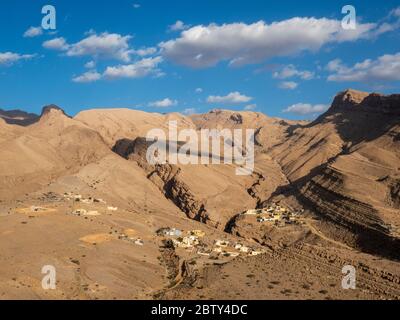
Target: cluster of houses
{"x":84,"y":212}
{"x":276,"y":214}
{"x":135,"y":240}
{"x":79,"y":198}
{"x":191,"y":240}
{"x":229,"y":249}
{"x":90,"y":200}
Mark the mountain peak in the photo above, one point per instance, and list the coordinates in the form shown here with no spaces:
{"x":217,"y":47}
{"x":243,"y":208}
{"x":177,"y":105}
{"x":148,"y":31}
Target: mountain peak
{"x":52,"y":109}
{"x":348,"y":98}
{"x":370,"y":102}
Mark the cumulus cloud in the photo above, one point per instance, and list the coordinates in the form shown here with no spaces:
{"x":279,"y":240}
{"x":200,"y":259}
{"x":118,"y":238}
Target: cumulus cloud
{"x":136,"y":5}
{"x":290,"y":71}
{"x":239,"y":43}
{"x":89,"y":76}
{"x":384,"y":68}
{"x":165,"y":103}
{"x":90,"y":64}
{"x":199,"y":90}
{"x":56,"y":44}
{"x":390,"y":23}
{"x":396,"y":12}
{"x":145,"y":51}
{"x":306,"y":108}
{"x":138,"y":69}
{"x":104,"y":45}
{"x":288,"y":85}
{"x":233,"y":97}
{"x":33,"y":32}
{"x":107,"y":45}
{"x":178,"y":26}
{"x":334,"y":65}
{"x":9,"y":58}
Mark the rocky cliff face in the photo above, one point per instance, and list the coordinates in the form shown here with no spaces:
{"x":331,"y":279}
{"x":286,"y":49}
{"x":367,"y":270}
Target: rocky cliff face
{"x":352,"y":100}
{"x":166,"y":177}
{"x":345,"y":167}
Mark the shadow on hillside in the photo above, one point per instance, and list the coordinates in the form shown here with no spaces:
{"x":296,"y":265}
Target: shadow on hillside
{"x":376,"y":241}
{"x":139,"y":146}
{"x":375,"y":116}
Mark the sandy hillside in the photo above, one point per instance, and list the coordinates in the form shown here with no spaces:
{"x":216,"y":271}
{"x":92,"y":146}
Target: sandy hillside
{"x":78,"y":193}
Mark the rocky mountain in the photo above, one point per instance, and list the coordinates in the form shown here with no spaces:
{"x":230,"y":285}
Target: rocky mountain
{"x":46,"y":150}
{"x":81,"y":188}
{"x":18,"y":117}
{"x":345,"y":166}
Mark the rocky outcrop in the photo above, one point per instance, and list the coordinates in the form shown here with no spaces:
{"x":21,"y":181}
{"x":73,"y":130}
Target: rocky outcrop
{"x":18,"y":117}
{"x":335,"y":163}
{"x":167,"y":178}
{"x":393,"y":191}
{"x":51,"y":108}
{"x":352,"y":100}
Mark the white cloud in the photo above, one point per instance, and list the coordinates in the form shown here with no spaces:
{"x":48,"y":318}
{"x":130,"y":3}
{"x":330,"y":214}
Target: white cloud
{"x":178,"y":26}
{"x":233,"y":97}
{"x":9,"y":58}
{"x":250,"y":107}
{"x":288,"y":85}
{"x":334,"y":65}
{"x":165,"y":103}
{"x":104,"y":45}
{"x":290,"y":71}
{"x":89,"y":76}
{"x":90,"y":64}
{"x":240,"y":43}
{"x":306,"y":108}
{"x":136,"y":5}
{"x":33,"y":32}
{"x":199,"y":90}
{"x":392,"y":22}
{"x":145,"y":51}
{"x":107,"y":45}
{"x":384,"y":68}
{"x":396,"y":12}
{"x":189,"y":111}
{"x":56,"y":44}
{"x":386,"y":27}
{"x":138,"y":69}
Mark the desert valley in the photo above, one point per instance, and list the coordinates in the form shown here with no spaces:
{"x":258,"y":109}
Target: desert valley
{"x":77,"y":193}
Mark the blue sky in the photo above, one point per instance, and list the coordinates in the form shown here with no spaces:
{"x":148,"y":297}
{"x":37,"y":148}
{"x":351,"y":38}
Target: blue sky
{"x":284,"y":58}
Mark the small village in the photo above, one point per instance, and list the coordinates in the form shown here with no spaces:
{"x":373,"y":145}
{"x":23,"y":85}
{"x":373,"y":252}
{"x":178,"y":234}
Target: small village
{"x":90,"y":203}
{"x":128,"y":235}
{"x":275,"y":214}
{"x":77,"y":198}
{"x":193,"y":241}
